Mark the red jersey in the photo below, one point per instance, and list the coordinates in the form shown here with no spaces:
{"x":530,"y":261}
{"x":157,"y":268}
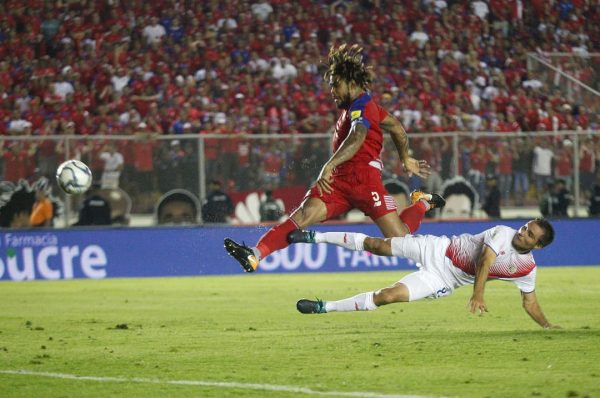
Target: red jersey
{"x":368,"y":113}
{"x":479,"y":161}
{"x":505,"y":162}
{"x":143,"y":152}
{"x":16,"y":163}
{"x":357,"y":183}
{"x":588,"y":160}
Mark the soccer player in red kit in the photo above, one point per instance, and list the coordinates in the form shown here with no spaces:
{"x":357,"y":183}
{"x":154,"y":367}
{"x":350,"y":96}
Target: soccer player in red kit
{"x":351,"y":178}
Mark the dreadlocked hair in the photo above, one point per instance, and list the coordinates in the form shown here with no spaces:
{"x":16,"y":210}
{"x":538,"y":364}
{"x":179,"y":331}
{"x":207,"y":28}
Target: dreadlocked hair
{"x":346,"y":63}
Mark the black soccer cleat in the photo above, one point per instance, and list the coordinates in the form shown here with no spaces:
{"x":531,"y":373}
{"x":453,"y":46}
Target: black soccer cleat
{"x":435,"y":200}
{"x":311,"y":307}
{"x":301,"y":236}
{"x":243,"y":254}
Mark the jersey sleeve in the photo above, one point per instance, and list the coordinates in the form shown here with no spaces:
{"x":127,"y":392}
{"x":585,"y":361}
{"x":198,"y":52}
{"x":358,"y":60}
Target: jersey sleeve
{"x":358,"y":113}
{"x":494,"y":238}
{"x":526,"y":283}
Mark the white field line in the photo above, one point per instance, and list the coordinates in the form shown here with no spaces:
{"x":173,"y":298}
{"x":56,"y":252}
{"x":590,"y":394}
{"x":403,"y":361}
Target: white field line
{"x":218,"y":384}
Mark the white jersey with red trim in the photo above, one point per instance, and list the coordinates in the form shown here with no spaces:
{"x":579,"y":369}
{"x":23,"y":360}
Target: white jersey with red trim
{"x":464,"y":251}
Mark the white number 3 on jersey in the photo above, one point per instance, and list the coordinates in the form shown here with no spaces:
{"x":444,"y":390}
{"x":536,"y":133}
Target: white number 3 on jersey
{"x":376,"y":199}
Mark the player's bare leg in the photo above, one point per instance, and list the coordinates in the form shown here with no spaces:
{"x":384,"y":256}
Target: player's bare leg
{"x":311,"y":211}
{"x":368,"y":301}
{"x":390,"y":225}
{"x":397,"y":293}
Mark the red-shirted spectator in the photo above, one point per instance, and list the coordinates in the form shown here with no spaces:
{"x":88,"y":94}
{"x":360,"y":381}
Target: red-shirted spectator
{"x":51,"y":51}
{"x":587,"y":165}
{"x":505,"y":170}
{"x":563,"y":163}
{"x":18,"y":160}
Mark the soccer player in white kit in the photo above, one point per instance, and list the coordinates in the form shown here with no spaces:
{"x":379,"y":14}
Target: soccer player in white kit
{"x":444,"y":265}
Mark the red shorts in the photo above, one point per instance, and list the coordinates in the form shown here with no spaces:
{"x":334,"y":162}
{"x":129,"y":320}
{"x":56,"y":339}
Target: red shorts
{"x":360,"y":189}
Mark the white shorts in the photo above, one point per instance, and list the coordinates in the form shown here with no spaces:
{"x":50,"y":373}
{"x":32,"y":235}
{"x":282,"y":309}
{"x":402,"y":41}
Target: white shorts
{"x":435,"y":277}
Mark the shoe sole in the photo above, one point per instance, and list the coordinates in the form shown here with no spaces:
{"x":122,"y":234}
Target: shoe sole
{"x":433,"y":201}
{"x":305,"y":306}
{"x":415,"y":196}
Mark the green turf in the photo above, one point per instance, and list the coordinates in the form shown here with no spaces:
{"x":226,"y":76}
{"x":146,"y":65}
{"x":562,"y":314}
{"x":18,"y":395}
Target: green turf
{"x":245,"y":329}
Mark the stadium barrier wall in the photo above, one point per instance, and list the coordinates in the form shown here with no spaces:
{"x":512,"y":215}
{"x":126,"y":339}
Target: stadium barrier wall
{"x":196,"y":251}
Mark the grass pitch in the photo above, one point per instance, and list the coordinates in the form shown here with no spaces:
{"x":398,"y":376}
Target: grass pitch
{"x":241,"y":336}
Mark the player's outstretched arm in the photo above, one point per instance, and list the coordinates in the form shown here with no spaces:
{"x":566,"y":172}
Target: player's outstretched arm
{"x":485,"y":261}
{"x":532,"y":307}
{"x":400,"y":138}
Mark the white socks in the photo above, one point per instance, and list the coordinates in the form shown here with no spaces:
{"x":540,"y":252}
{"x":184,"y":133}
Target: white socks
{"x":360,"y":302}
{"x":349,"y":240}
{"x":352,"y":241}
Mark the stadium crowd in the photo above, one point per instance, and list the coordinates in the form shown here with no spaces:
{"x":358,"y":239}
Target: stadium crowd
{"x":112,"y":67}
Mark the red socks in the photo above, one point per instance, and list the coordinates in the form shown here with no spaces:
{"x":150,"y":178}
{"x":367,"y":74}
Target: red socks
{"x":413,"y":215}
{"x":276,"y":238}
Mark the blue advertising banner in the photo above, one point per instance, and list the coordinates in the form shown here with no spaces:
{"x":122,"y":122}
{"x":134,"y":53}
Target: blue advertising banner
{"x":187,"y":251}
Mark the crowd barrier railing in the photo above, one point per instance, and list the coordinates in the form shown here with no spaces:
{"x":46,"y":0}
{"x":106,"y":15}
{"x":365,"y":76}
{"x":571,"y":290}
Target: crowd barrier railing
{"x":288,"y":164}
